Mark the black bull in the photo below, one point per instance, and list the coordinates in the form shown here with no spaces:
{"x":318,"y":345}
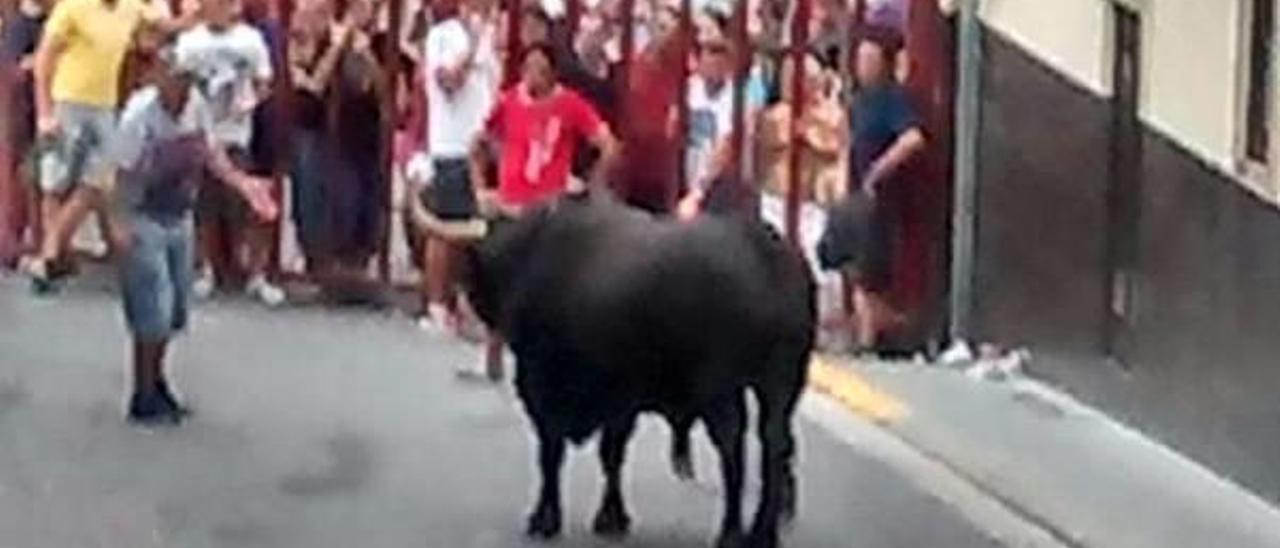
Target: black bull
{"x":611,"y":313}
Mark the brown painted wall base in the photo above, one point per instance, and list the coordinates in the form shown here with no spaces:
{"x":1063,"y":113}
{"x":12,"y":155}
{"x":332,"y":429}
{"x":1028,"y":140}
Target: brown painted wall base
{"x":1205,"y":372}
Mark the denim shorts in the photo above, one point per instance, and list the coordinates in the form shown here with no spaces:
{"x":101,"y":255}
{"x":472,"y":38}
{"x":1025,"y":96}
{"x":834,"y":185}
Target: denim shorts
{"x":78,"y":153}
{"x":156,"y":276}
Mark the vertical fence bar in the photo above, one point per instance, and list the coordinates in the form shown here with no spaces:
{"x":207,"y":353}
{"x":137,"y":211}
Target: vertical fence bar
{"x":282,"y":119}
{"x":682,"y":97}
{"x":390,"y":104}
{"x":8,"y":163}
{"x":628,"y":8}
{"x":572,"y":15}
{"x":511,"y":61}
{"x":799,"y":45}
{"x":744,"y":54}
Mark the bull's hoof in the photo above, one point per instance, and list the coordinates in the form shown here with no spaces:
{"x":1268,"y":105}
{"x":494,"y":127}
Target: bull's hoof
{"x":612,"y":522}
{"x":733,"y":539}
{"x":787,"y":515}
{"x":545,"y":523}
{"x":759,"y":539}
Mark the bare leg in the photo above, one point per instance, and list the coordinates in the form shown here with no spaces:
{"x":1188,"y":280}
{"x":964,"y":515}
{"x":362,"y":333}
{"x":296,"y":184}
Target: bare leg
{"x":63,"y":218}
{"x":439,"y":264}
{"x":208,"y":241}
{"x":425,"y":269}
{"x":864,"y":319}
{"x":612,"y":519}
{"x":257,"y":238}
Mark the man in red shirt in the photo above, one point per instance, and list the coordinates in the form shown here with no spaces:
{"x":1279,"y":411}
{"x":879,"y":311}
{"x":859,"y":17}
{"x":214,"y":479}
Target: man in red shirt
{"x":537,"y":124}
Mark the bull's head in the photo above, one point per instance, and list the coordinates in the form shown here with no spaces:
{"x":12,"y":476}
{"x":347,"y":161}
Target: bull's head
{"x":494,"y":253}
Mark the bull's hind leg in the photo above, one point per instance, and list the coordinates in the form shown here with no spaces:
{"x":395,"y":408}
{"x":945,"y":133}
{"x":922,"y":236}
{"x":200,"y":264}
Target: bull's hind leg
{"x":725,"y":423}
{"x":612,"y":519}
{"x":681,"y":452}
{"x":777,"y":404}
{"x":545,"y":522}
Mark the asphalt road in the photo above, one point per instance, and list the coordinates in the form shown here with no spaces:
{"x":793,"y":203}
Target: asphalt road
{"x":325,"y":428}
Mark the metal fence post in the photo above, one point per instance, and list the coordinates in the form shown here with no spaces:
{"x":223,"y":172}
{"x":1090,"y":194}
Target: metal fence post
{"x":968,"y":105}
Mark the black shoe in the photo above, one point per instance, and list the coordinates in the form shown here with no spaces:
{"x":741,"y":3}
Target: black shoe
{"x":152,"y":410}
{"x":162,"y":388}
{"x":42,"y":280}
{"x":42,"y":286}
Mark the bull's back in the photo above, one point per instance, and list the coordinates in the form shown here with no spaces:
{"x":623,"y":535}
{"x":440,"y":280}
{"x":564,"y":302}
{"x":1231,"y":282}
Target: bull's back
{"x":686,"y":310}
{"x":661,"y":315}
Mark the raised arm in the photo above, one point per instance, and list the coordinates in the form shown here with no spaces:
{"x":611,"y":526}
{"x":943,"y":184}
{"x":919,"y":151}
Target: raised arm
{"x":449,"y":71}
{"x":315,"y":79}
{"x":604,"y":141}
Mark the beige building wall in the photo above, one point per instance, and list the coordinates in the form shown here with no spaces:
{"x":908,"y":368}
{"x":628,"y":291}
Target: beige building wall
{"x":1193,"y":72}
{"x":1192,"y":75}
{"x":1068,"y":35}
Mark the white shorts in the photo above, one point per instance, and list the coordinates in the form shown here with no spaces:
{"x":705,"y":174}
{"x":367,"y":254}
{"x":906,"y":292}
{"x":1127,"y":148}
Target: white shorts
{"x":78,"y":154}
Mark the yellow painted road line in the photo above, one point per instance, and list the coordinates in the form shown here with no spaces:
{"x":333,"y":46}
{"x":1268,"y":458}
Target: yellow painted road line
{"x":851,"y":390}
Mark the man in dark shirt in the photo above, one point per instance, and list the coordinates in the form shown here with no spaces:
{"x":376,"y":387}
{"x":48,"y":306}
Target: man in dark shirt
{"x":267,"y":135}
{"x":886,"y":135}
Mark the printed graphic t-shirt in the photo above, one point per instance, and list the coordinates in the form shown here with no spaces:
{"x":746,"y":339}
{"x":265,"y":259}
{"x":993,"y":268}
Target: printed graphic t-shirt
{"x":226,"y":64}
{"x":538,"y":140}
{"x":710,"y":121}
{"x":160,"y":155}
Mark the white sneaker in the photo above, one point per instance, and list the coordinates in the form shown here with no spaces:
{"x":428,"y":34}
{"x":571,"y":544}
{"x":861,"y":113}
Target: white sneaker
{"x":437,"y":321}
{"x":263,"y":290}
{"x":204,"y":285}
{"x":97,"y":249}
{"x":480,"y":371}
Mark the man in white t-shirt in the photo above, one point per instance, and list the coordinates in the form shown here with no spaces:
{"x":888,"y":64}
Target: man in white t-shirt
{"x":231,"y":65}
{"x":462,"y":72}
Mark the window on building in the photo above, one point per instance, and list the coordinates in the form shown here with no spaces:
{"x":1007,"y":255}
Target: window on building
{"x":1258,"y":115}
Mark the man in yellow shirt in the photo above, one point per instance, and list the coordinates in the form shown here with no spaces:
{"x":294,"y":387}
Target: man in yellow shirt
{"x":77,"y":75}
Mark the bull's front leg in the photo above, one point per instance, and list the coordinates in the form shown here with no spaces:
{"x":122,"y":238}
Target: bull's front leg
{"x":612,"y":519}
{"x":726,"y":422}
{"x":546,"y":520}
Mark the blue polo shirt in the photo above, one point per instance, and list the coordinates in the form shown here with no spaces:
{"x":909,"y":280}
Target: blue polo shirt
{"x":880,"y":115}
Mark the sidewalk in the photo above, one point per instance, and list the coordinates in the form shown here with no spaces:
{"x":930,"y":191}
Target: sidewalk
{"x":1091,"y":482}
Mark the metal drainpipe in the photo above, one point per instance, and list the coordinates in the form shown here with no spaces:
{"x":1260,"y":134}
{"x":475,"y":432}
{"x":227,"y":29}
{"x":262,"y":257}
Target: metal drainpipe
{"x":968,"y":105}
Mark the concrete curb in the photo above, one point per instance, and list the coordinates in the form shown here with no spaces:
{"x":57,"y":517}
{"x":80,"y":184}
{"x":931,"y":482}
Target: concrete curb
{"x":1169,"y":500}
{"x":856,"y":394}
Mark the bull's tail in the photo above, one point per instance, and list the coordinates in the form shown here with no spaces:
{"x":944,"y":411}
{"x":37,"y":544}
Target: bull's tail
{"x":681,"y":453}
